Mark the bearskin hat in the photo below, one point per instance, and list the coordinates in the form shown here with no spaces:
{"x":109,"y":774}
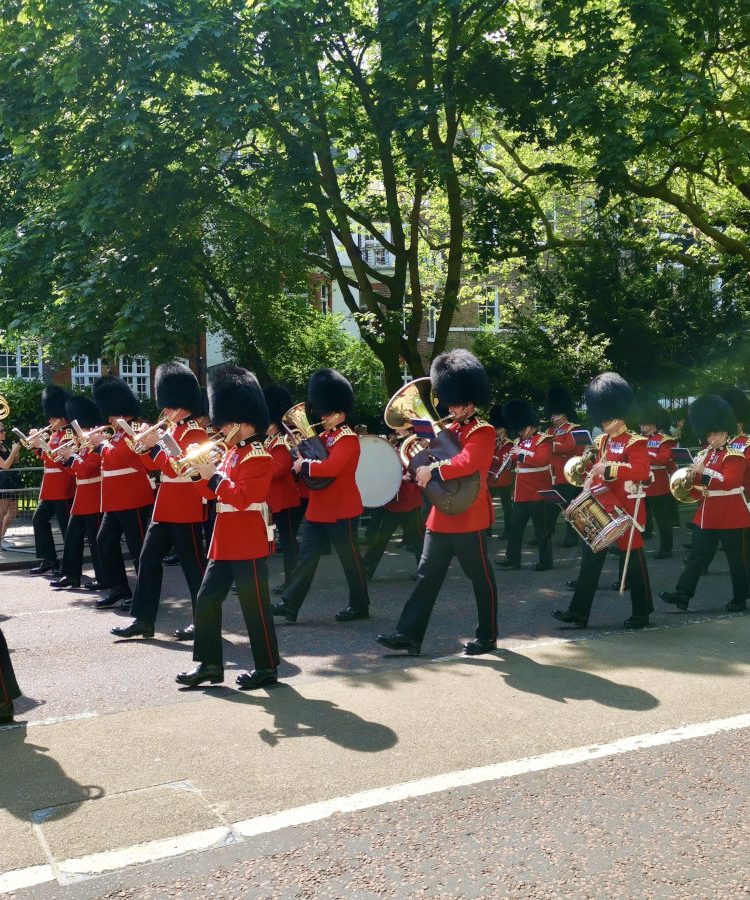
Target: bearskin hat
{"x":559,"y":402}
{"x":519,"y":414}
{"x":114,"y":397}
{"x":608,"y":397}
{"x":329,"y":392}
{"x":82,"y":409}
{"x":279,"y":400}
{"x":235,"y":396}
{"x":204,"y":402}
{"x":53,"y":402}
{"x":711,"y":413}
{"x":496,"y":416}
{"x":177,"y":388}
{"x":648,"y":410}
{"x":737,"y":399}
{"x":459,"y":378}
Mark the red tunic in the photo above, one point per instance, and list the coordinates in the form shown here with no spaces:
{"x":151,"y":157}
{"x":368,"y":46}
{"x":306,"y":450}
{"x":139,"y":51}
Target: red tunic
{"x":86,"y":467}
{"x":627,"y":465}
{"x":409,"y":497}
{"x":283,"y":493}
{"x":477,"y":439}
{"x":501,"y":453}
{"x":178,"y":498}
{"x":722,"y":490}
{"x":58,"y":482}
{"x":125,"y":483}
{"x":240,"y":488}
{"x":742,"y":443}
{"x":563,"y":448}
{"x":341,"y":499}
{"x":660,"y":448}
{"x":533,"y":469}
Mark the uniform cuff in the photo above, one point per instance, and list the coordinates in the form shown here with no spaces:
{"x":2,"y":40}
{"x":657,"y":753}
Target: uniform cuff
{"x":705,"y":479}
{"x":215,"y":480}
{"x":154,"y":451}
{"x":610,"y":472}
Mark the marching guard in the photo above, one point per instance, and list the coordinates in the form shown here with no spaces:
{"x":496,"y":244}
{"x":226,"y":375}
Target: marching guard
{"x":58,"y":483}
{"x":659,"y":500}
{"x":460,"y":383}
{"x":179,"y":511}
{"x":333,"y":511}
{"x":242,"y":535}
{"x":562,"y":414}
{"x":9,"y":690}
{"x":621,"y":465}
{"x":500,"y":478}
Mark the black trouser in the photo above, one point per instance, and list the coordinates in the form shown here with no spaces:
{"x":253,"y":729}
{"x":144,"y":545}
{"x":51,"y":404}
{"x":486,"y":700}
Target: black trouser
{"x":660,"y":509}
{"x":133,"y":524}
{"x":80,"y":529}
{"x":314,"y":539}
{"x":540,"y":512}
{"x":187,"y":540}
{"x":588,"y":581}
{"x":411,"y":525}
{"x":208,"y":525}
{"x":9,"y":689}
{"x":287,"y":521}
{"x":42,"y":524}
{"x":569,"y":492}
{"x":702,"y":549}
{"x":439,"y":549}
{"x":506,"y":502}
{"x":251,"y":579}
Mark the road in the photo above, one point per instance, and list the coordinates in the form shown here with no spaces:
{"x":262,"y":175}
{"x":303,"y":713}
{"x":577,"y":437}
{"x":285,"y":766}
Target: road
{"x":372,"y":775}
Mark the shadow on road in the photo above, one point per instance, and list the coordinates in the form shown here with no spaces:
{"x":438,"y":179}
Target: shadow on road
{"x":561,"y":683}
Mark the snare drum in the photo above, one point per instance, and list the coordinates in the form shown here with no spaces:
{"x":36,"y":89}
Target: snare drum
{"x":598,"y":527}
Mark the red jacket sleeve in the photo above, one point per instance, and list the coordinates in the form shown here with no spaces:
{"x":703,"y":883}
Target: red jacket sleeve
{"x":86,"y":466}
{"x":640,"y":462}
{"x":475,"y":456}
{"x":282,"y":461}
{"x":664,"y":452}
{"x":564,"y":445}
{"x":733,"y":470}
{"x":248,"y":484}
{"x":343,"y":455}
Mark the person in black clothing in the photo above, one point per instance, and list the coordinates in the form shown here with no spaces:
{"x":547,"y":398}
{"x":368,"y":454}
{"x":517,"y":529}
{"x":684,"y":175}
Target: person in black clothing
{"x":9,"y":690}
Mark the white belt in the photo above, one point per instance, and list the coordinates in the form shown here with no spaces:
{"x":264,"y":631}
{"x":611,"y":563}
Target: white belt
{"x":228,"y":508}
{"x":728,"y":493}
{"x":657,"y":468}
{"x":50,"y":470}
{"x":177,"y":479}
{"x":109,"y":473}
{"x":525,"y":471}
{"x":88,"y":480}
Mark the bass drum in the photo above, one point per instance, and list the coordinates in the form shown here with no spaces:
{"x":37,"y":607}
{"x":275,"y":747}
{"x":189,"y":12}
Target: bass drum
{"x":379,"y":471}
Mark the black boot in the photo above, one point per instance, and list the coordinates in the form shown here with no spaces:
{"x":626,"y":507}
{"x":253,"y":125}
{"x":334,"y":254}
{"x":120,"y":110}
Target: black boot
{"x":250,"y":681}
{"x":202,"y":673}
{"x":137,"y":628}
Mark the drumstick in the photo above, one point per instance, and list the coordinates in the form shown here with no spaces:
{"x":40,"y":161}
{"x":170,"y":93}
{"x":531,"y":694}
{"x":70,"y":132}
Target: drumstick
{"x":630,"y":539}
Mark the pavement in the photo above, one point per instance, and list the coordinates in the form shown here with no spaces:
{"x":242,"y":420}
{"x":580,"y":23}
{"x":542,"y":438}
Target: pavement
{"x":112,"y":769}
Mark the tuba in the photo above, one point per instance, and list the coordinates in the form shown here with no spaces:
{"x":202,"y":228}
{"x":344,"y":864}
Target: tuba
{"x":305,"y":442}
{"x":414,"y":401}
{"x":682,"y":481}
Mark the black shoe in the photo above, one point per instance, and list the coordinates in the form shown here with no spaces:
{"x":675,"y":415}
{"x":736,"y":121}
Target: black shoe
{"x":663,"y":554}
{"x":351,"y":613}
{"x":65,"y":582}
{"x":46,"y":565}
{"x":507,"y":564}
{"x":113,"y":598}
{"x":94,"y":586}
{"x":398,"y":641}
{"x":570,"y":618}
{"x":185,"y":634}
{"x":202,"y":673}
{"x":678,"y":600}
{"x":171,"y":559}
{"x":736,"y":606}
{"x":282,"y":611}
{"x":635,"y":623}
{"x":571,"y":584}
{"x":250,"y":681}
{"x":541,"y":567}
{"x":279,"y":589}
{"x":137,"y":628}
{"x":477,"y":647}
{"x":6,"y":713}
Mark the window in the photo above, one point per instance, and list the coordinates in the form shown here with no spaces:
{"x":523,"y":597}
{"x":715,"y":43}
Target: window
{"x":489,"y":309}
{"x":25,"y":363}
{"x":381,"y":256}
{"x":182,"y":360}
{"x":136,"y":372}
{"x":84,"y":371}
{"x":325,"y":298}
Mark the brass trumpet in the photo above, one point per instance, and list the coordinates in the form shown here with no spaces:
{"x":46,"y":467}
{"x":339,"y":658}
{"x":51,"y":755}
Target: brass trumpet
{"x":139,"y":447}
{"x":25,"y":439}
{"x":207,"y":453}
{"x":575,"y":468}
{"x":84,"y":437}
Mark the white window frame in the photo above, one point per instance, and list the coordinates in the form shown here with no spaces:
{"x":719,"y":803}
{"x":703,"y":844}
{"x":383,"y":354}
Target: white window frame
{"x":23,"y":355}
{"x":83,"y":371}
{"x":490,"y":303}
{"x":431,"y":323}
{"x":135,"y":371}
{"x":325,"y":298}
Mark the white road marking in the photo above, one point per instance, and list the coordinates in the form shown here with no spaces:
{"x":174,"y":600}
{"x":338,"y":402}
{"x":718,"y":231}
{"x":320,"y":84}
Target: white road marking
{"x":97,"y":863}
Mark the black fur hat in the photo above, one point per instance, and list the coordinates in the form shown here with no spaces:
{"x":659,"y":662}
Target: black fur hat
{"x":83,"y":410}
{"x":177,"y":388}
{"x":459,"y":378}
{"x":204,"y":402}
{"x":114,"y":397}
{"x":608,"y":397}
{"x":737,"y":399}
{"x":519,"y":414}
{"x":648,"y":411}
{"x":53,"y":402}
{"x":235,"y":396}
{"x":279,"y":400}
{"x":496,"y":416}
{"x":329,"y":392}
{"x":711,"y":413}
{"x":559,"y":402}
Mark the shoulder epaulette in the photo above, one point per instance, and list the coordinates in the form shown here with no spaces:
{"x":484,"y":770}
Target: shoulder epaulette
{"x":598,"y":440}
{"x":636,"y":437}
{"x":256,"y":448}
{"x":192,"y":425}
{"x":275,"y":440}
{"x":344,"y":431}
{"x":733,"y":451}
{"x":480,"y":423}
{"x":543,"y":436}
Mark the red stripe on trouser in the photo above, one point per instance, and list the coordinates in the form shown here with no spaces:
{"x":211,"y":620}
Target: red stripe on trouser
{"x":272,"y":657}
{"x":357,"y":560}
{"x":493,"y":597}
